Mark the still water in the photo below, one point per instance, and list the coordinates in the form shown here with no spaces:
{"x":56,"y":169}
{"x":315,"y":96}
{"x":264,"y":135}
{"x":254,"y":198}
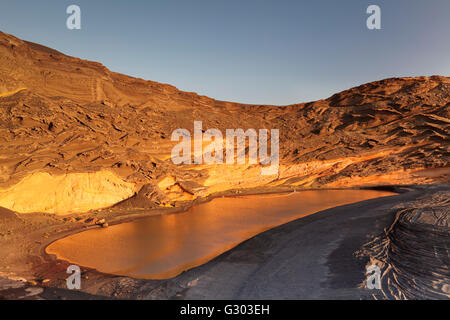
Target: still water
{"x":163,"y":246}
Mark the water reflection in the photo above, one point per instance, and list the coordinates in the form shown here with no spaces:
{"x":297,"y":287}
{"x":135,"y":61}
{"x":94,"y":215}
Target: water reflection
{"x":163,"y":246}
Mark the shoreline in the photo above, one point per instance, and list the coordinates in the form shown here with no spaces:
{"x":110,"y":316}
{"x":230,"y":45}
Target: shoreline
{"x":229,"y":194}
{"x":49,"y":274}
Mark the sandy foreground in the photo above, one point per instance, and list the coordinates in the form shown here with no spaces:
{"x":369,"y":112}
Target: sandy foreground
{"x":321,"y":256}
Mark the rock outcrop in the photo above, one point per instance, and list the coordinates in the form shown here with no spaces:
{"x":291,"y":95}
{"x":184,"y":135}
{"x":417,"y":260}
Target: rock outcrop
{"x":414,"y":254}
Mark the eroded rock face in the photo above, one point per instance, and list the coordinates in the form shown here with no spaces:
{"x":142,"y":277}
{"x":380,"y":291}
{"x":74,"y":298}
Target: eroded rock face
{"x":60,"y":114}
{"x":414,"y":254}
{"x":419,"y":250}
{"x":64,"y":194}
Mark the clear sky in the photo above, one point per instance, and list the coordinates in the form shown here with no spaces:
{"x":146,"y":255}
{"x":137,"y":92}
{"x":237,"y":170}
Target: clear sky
{"x":252,"y":51}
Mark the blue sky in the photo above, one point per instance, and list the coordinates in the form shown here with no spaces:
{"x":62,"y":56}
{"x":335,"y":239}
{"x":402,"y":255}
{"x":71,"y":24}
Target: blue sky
{"x":271,"y":52}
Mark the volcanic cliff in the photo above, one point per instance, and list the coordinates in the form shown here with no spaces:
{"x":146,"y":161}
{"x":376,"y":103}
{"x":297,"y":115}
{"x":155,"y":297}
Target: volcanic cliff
{"x":76,"y":136}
